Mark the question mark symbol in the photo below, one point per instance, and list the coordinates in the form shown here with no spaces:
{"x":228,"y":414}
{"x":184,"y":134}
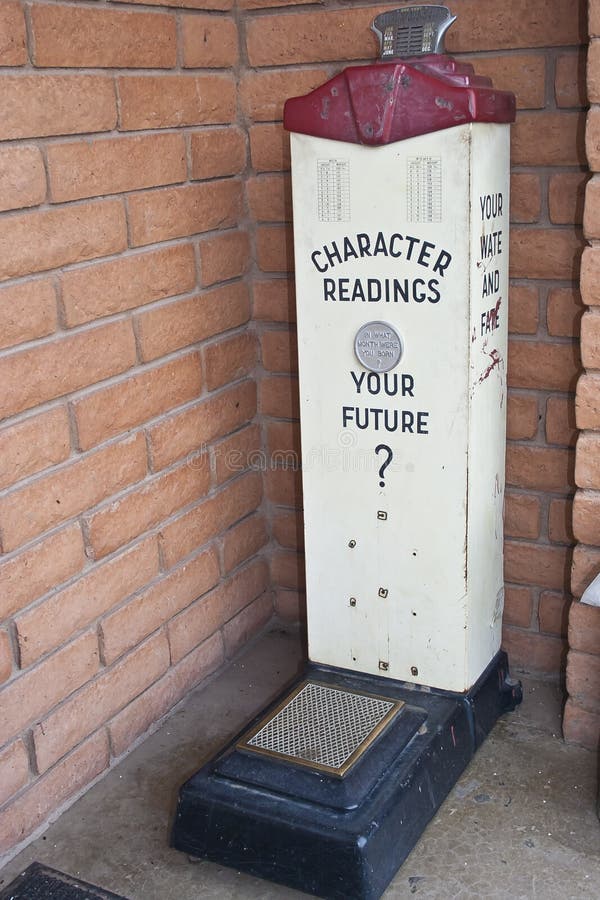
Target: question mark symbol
{"x":384,"y":465}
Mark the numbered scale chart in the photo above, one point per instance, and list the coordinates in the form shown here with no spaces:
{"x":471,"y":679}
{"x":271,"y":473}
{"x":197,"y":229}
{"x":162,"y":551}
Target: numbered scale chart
{"x":424,"y":189}
{"x":333,"y":190}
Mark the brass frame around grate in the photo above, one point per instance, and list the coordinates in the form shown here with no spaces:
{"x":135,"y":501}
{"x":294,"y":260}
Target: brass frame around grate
{"x":394,"y":707}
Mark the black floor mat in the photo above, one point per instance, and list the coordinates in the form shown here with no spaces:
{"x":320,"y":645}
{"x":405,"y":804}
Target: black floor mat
{"x":40,"y":882}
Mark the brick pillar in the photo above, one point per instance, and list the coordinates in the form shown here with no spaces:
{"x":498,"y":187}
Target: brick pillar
{"x":582,"y":712}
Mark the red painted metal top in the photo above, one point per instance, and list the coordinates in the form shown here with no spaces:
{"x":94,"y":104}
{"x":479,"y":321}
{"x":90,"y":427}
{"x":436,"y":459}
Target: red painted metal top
{"x":391,"y":101}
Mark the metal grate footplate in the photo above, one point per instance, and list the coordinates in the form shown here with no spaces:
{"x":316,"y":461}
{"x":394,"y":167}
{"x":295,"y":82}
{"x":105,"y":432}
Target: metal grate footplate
{"x":321,"y":726}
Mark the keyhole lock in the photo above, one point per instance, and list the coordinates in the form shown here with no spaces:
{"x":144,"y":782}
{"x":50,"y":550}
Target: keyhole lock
{"x":352,"y":544}
{"x":414,"y":670}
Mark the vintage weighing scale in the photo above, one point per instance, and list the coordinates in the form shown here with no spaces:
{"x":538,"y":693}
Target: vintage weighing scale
{"x":400,"y":175}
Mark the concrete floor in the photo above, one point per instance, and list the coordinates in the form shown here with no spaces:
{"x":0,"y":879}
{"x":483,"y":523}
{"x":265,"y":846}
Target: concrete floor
{"x":519,"y":824}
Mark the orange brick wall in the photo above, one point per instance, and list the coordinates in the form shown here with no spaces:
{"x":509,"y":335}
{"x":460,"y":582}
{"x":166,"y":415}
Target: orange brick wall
{"x":147,"y":351}
{"x":130,"y":563}
{"x":582,"y":711}
{"x":534,"y":49}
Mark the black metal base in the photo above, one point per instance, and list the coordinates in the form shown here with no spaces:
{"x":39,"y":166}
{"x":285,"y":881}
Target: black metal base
{"x":342,"y":838}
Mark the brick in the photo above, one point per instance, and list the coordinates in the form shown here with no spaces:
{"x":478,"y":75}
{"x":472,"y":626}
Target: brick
{"x":243,"y":541}
{"x":283,"y":441}
{"x":191,"y":627}
{"x":35,"y":692}
{"x":91,"y":707}
{"x":581,"y":726}
{"x":584,"y":628}
{"x":83,"y":37}
{"x":523,"y":308}
{"x":147,"y":709}
{"x":52,"y":623}
{"x":143,"y":509}
{"x":578,"y":88}
{"x":591,"y":218}
{"x":539,"y":468}
{"x":587,"y":461}
{"x":27,"y":311}
{"x":167,"y":213}
{"x":560,"y":421}
{"x":570,"y":79}
{"x":33,"y":445}
{"x":40,"y":105}
{"x":224,"y":256}
{"x":14,"y":769}
{"x":563,"y":312}
{"x":531,"y":652}
{"x":188,"y":432}
{"x":522,"y":417}
{"x":560,"y":517}
{"x":593,"y":19}
{"x":521,"y":515}
{"x":6,"y":660}
{"x":566,"y":194}
{"x":525,"y":197}
{"x":103,"y":289}
{"x":545,"y":253}
{"x":30,"y":811}
{"x":229,"y":359}
{"x":37,"y":570}
{"x":246,"y":624}
{"x":183,"y":322}
{"x":275,"y":248}
{"x":586,"y":522}
{"x":518,"y":606}
{"x":237,"y":453}
{"x":586,"y":564}
{"x":587,"y":402}
{"x":218,"y":5}
{"x":132,"y":402}
{"x":209,"y":42}
{"x":263,"y":4}
{"x":69,"y":491}
{"x":287,"y":570}
{"x":290,"y":605}
{"x":45,"y":239}
{"x":283,"y":487}
{"x":533,"y":364}
{"x":282,"y":39}
{"x":269,"y":148}
{"x":274,"y":300}
{"x":288,"y":530}
{"x":217,"y":152}
{"x":144,"y":614}
{"x":590,"y":339}
{"x":81,"y":169}
{"x":262,"y":94}
{"x":590,"y":276}
{"x":592,"y":139}
{"x":151,"y":101}
{"x":209,"y":518}
{"x":279,"y":397}
{"x":22,"y":176}
{"x":270,"y":198}
{"x":13,"y":51}
{"x":553,"y":613}
{"x":583,"y":679}
{"x":279,"y":351}
{"x":51,"y":370}
{"x":522,"y":73}
{"x":536,"y":564}
{"x":548,"y":139}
